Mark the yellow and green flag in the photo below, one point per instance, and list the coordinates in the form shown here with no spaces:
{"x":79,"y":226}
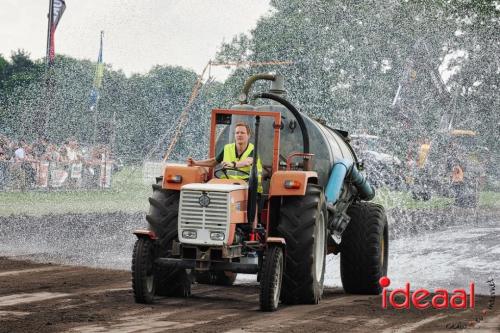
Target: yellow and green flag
{"x":99,"y":73}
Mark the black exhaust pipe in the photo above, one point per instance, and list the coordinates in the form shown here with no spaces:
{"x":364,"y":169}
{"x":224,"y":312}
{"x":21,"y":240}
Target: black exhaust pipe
{"x":253,"y":181}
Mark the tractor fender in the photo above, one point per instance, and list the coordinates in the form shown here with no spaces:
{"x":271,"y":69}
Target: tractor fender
{"x":177,"y":175}
{"x":300,"y":179}
{"x":276,"y":240}
{"x":144,"y":233}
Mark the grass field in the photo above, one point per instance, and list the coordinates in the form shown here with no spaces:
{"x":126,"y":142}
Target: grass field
{"x":404,"y":200}
{"x":129,"y":194}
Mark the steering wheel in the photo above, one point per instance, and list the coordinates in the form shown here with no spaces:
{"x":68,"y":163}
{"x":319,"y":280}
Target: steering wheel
{"x":217,"y":173}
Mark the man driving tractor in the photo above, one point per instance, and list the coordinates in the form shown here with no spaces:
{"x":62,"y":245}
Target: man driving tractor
{"x":236,"y":157}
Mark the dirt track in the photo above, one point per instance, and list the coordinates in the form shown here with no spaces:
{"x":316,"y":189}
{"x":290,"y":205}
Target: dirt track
{"x":52,"y":298}
{"x":37,"y":297}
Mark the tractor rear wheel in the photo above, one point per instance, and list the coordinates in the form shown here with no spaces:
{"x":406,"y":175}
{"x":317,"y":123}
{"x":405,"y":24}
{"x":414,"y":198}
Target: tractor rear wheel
{"x":364,"y":249}
{"x":162,"y":219}
{"x":302,"y":223}
{"x":270,"y":282}
{"x":143,"y":278}
{"x":219,"y":278}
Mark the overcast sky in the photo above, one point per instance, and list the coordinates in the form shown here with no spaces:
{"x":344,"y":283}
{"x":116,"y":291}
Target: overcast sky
{"x":137,"y":33}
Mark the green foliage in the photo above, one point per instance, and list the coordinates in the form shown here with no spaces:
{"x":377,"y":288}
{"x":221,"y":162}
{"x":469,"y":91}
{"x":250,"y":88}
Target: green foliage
{"x":136,"y":111}
{"x":350,"y":57}
{"x":19,"y":72}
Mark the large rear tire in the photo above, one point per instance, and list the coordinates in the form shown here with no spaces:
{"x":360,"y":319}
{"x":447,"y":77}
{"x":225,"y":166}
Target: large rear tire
{"x":303,"y":225}
{"x":364,"y":249}
{"x":143,"y":277}
{"x":270,"y":282}
{"x":162,"y":219}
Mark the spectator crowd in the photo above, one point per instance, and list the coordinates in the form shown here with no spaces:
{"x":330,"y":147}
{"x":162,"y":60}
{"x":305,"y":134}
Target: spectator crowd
{"x":41,"y":164}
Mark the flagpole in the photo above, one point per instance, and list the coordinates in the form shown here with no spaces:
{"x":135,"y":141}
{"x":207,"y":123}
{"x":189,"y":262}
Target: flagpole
{"x":43,"y":120}
{"x":97,"y":101}
{"x":49,"y":26}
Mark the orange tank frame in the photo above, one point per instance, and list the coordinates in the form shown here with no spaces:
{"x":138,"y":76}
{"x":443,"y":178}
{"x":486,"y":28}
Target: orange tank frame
{"x":177,"y":175}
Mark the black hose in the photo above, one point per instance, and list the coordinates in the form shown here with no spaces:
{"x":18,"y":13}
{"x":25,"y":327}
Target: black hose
{"x":253,"y":182}
{"x":294,"y":111}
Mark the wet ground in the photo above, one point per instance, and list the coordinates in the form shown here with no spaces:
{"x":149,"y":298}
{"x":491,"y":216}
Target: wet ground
{"x":54,"y":298}
{"x":438,"y":249}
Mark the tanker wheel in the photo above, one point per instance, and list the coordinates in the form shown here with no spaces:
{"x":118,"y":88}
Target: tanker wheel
{"x":270,"y":282}
{"x":162,"y":219}
{"x":364,"y":249}
{"x":143,"y":277}
{"x":302,"y":223}
{"x":219,"y":278}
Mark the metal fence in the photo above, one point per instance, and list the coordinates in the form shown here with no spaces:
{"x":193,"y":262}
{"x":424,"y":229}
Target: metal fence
{"x":46,"y":175}
{"x":151,"y":170}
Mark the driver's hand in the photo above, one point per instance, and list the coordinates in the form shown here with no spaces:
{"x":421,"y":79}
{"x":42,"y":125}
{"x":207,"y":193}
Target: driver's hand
{"x":227,"y":165}
{"x":190,"y":161}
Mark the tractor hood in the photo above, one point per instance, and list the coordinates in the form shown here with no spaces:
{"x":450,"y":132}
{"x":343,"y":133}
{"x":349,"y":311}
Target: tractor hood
{"x":212,"y":187}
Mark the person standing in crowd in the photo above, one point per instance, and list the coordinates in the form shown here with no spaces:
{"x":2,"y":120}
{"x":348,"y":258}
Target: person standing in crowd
{"x":9,"y":150}
{"x":97,"y":157}
{"x":40,"y":147}
{"x":52,"y":154}
{"x":4,"y":142}
{"x":20,"y":153}
{"x":3,"y":169}
{"x":28,"y":166}
{"x":21,"y":169}
{"x":72,"y":151}
{"x":74,"y":156}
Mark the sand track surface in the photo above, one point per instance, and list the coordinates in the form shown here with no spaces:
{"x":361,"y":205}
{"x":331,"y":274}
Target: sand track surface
{"x":38,"y":297}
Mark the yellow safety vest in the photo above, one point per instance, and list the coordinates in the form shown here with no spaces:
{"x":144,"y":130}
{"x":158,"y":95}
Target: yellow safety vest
{"x":230,"y":156}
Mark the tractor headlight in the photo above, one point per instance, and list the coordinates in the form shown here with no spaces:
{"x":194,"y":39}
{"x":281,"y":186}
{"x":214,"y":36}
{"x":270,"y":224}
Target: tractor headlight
{"x":217,"y":236}
{"x":191,"y":234}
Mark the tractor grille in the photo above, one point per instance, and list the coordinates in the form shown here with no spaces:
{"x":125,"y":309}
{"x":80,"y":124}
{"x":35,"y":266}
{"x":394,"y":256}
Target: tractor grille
{"x":193,"y":216}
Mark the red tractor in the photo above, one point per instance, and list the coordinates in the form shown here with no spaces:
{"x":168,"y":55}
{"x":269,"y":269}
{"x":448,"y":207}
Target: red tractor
{"x":206,"y":227}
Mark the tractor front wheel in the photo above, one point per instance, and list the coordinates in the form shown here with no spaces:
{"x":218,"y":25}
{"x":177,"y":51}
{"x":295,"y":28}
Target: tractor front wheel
{"x":143,"y":278}
{"x":271,"y":278}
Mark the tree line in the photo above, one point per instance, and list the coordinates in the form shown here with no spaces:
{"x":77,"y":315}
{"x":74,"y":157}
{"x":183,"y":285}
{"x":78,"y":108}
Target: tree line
{"x":349,"y":58}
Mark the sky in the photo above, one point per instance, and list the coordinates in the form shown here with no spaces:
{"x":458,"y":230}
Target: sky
{"x":137,"y":34}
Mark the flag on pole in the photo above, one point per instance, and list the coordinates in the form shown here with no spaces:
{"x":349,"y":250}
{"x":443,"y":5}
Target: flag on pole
{"x":56,"y":11}
{"x":99,"y":73}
